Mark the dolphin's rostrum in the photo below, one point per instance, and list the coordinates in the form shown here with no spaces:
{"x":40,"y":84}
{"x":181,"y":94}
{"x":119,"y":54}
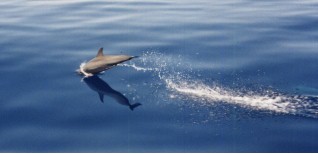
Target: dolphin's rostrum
{"x":102,"y":88}
{"x":102,"y":62}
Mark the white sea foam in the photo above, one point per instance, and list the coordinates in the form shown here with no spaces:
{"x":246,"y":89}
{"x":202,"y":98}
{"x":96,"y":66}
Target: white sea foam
{"x":180,"y":84}
{"x":81,"y":66}
{"x":217,"y":94}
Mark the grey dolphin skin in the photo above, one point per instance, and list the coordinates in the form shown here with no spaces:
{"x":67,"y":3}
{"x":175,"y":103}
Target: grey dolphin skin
{"x":102,"y":62}
{"x":102,"y":88}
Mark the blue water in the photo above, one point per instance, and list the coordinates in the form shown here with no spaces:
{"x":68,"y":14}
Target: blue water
{"x":212,"y":76}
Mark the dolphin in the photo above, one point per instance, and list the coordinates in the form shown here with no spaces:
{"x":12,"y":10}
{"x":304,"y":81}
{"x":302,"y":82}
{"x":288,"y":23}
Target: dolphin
{"x":102,"y":62}
{"x":102,"y":88}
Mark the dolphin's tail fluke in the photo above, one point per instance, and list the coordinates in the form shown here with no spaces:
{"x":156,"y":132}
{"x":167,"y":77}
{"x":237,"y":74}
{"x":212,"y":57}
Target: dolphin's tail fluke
{"x":132,"y":107}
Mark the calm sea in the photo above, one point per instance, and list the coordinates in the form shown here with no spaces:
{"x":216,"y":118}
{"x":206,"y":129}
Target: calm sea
{"x":212,"y":76}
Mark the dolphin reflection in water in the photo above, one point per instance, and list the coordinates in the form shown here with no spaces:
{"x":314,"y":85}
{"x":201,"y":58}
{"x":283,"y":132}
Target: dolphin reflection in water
{"x":102,"y":88}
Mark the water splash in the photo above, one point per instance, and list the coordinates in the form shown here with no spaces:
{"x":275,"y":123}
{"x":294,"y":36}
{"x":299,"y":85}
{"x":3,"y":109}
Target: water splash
{"x":269,"y":100}
{"x":171,"y":71}
{"x":138,"y":68}
{"x":78,"y":71}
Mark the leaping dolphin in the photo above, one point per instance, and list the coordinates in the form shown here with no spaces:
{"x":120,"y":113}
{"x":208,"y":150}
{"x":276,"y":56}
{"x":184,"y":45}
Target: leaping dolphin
{"x":102,"y":62}
{"x":102,"y":88}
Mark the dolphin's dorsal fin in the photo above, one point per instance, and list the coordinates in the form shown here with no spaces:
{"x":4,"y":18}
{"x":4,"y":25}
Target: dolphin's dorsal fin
{"x":101,"y":97}
{"x":100,"y":52}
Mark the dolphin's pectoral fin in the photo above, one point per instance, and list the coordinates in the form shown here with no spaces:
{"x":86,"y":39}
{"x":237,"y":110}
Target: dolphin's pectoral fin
{"x":101,"y":97}
{"x":100,"y":52}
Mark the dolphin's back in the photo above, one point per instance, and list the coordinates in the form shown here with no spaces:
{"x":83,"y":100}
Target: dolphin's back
{"x":102,"y":62}
{"x":96,"y":65}
{"x":99,"y":64}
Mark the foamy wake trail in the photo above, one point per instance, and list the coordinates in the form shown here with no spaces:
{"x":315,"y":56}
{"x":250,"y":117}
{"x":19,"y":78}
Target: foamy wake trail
{"x":271,"y":101}
{"x":303,"y":105}
{"x":216,"y":94}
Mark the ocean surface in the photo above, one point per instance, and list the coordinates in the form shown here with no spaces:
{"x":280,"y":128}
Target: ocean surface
{"x":212,"y":76}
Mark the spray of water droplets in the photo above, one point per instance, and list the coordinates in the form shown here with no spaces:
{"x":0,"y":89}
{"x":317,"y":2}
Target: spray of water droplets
{"x":174,"y":72}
